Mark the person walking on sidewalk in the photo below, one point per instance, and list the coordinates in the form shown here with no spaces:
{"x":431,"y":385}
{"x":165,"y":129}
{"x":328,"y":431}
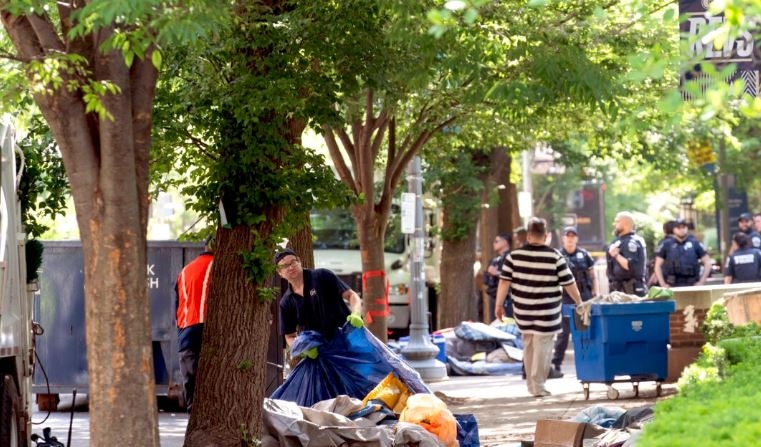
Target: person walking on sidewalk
{"x":581,"y":265}
{"x":536,"y":274}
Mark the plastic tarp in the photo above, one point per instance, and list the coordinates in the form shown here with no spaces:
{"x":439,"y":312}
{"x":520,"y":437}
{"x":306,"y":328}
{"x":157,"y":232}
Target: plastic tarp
{"x":351,"y":364}
{"x":326,"y":424}
{"x":477,"y":335}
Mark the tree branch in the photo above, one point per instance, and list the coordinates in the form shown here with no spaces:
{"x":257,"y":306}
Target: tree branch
{"x":338,"y":159}
{"x":46,"y":33}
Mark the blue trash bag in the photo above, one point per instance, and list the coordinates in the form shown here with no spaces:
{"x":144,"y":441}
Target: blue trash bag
{"x":467,"y":430}
{"x":351,"y":364}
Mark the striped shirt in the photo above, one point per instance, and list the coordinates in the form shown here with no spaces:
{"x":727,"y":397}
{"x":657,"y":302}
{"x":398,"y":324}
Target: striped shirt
{"x":537,"y":274}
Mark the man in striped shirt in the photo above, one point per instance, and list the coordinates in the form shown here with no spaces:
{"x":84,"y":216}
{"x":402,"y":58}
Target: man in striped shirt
{"x":536,"y":274}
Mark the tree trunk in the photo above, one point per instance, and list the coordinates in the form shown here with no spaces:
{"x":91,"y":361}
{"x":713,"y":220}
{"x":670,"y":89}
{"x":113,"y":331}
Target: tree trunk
{"x":232,"y":366}
{"x":457,"y":300}
{"x":371,"y":234}
{"x":106,"y":161}
{"x":301,"y":243}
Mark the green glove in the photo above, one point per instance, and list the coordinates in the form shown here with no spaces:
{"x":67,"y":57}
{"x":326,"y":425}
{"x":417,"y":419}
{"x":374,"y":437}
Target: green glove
{"x":311,"y":353}
{"x":355,"y":320}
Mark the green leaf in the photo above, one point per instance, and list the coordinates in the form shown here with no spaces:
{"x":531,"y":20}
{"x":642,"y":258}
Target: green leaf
{"x":156,"y":59}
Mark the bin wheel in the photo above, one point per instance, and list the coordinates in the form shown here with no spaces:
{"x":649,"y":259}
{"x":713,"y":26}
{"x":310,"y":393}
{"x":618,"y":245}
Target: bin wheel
{"x":636,"y":389}
{"x":658,"y":389}
{"x":586,"y":391}
{"x":612,"y":393}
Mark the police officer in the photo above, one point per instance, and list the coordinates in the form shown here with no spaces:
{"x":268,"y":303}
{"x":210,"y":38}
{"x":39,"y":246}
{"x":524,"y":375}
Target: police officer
{"x":501,"y":246}
{"x":679,"y":259}
{"x":581,"y":265}
{"x":745,"y":223}
{"x":744,"y":264}
{"x":626,"y":257}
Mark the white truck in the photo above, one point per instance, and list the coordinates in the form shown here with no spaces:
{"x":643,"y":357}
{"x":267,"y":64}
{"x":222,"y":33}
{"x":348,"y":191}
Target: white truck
{"x":336,"y":247}
{"x":16,"y":297}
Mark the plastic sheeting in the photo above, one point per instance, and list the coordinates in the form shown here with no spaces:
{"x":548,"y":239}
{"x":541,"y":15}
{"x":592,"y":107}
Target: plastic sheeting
{"x":351,"y":364}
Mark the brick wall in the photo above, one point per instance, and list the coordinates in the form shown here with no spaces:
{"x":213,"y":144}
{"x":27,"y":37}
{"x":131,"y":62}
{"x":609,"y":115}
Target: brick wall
{"x":685,"y":327}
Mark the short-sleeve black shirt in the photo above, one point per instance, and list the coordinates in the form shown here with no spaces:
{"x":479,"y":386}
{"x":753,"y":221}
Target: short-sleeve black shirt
{"x":633,"y":249}
{"x":322,"y":309}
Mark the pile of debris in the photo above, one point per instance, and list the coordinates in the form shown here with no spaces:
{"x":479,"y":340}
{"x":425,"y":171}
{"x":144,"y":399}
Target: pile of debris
{"x":354,"y":390}
{"x":475,"y":348}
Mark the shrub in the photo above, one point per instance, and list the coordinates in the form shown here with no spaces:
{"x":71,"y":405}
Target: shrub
{"x":718,"y":394}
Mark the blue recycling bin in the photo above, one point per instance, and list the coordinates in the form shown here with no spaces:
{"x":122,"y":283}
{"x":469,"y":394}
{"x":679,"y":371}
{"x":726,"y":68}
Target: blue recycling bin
{"x":622,"y":339}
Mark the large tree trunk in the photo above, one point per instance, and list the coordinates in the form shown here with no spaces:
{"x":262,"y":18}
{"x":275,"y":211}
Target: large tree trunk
{"x":371,"y":232}
{"x":106,"y":160}
{"x":457,"y":297}
{"x":227,"y":410}
{"x":232,"y":366}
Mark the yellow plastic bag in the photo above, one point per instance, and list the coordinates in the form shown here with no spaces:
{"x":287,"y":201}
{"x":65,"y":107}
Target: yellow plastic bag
{"x":431,"y":413}
{"x":391,"y":391}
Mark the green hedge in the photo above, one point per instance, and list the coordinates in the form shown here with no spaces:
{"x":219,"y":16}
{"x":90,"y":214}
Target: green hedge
{"x":719,"y":394}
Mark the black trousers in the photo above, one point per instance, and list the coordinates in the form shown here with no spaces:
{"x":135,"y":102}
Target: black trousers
{"x":188,"y":368}
{"x":561,"y":343}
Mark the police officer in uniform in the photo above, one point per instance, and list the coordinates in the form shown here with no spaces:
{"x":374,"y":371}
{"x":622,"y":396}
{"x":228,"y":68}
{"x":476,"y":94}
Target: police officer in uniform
{"x":581,"y":265}
{"x":491,"y":275}
{"x":744,"y":264}
{"x":626,"y":258}
{"x":745,"y":223}
{"x":679,"y":258}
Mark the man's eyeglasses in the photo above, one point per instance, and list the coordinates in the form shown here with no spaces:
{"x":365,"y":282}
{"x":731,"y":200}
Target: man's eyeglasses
{"x":282,"y":267}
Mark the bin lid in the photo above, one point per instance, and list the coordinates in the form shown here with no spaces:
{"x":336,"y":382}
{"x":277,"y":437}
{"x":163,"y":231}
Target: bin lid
{"x":641,"y":307}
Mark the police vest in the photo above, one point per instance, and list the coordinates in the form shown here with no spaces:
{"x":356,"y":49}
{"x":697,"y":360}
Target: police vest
{"x":681,"y":260}
{"x":579,"y":265}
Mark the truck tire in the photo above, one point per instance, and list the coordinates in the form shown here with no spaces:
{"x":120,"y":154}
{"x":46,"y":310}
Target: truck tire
{"x":10,"y":432}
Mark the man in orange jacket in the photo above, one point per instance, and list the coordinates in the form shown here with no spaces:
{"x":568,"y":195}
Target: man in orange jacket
{"x":192,"y":294}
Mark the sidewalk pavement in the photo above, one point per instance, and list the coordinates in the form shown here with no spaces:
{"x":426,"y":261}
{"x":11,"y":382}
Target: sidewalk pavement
{"x":506,"y":413}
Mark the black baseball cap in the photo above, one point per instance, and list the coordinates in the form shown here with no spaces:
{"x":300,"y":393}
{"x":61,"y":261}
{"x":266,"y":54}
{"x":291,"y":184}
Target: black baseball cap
{"x":679,"y":222}
{"x":570,"y":229}
{"x":283,"y":253}
{"x":745,"y":216}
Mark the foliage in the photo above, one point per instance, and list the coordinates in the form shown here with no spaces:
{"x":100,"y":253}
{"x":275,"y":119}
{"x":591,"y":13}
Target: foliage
{"x":43,"y":187}
{"x":716,"y":325}
{"x":229,"y":107}
{"x":716,"y":413}
{"x":456,"y":183}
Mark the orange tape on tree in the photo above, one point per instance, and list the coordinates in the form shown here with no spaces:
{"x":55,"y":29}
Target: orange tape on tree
{"x":383,"y":301}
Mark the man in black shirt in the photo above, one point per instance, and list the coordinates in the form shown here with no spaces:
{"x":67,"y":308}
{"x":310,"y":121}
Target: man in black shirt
{"x":315,"y":300}
{"x":626,"y":257}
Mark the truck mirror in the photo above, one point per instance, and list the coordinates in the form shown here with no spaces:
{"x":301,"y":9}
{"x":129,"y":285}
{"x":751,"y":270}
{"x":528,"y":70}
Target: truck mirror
{"x":396,"y":265}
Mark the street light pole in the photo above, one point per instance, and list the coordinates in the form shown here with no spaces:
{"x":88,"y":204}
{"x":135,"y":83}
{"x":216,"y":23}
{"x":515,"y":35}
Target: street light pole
{"x":420,"y":352}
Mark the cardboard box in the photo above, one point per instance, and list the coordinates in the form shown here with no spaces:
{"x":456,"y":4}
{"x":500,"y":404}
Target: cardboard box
{"x":556,"y":433}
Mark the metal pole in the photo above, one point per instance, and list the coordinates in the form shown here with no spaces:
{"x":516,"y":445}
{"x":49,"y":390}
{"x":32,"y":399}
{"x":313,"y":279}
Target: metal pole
{"x":724,"y":233}
{"x":420,"y":352}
